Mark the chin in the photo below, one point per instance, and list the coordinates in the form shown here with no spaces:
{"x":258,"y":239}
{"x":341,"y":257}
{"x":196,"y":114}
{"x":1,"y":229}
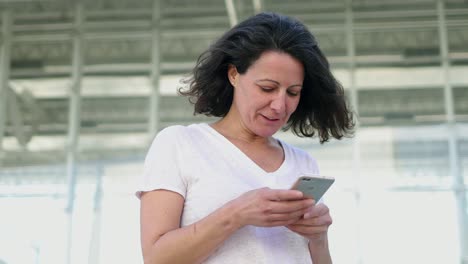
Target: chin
{"x":267,"y":132}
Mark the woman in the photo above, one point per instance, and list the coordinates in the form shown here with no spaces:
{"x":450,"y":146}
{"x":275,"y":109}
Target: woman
{"x":219,"y":193}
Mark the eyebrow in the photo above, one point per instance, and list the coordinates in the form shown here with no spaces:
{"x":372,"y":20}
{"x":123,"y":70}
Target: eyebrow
{"x":270,"y":80}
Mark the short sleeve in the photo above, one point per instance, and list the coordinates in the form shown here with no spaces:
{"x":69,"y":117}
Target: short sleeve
{"x":312,"y":164}
{"x":161,"y":167}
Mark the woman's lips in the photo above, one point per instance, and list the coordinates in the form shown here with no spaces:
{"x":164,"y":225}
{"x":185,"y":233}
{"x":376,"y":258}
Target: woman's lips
{"x":271,"y":119}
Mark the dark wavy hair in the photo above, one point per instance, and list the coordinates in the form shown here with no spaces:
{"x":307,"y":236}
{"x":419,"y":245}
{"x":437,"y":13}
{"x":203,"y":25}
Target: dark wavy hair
{"x":322,"y":107}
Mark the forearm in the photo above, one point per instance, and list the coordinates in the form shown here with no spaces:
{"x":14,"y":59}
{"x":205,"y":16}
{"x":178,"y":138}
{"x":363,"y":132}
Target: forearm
{"x":193,"y":243}
{"x":319,"y":251}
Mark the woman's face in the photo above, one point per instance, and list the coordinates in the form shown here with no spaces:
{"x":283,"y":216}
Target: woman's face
{"x":268,"y":93}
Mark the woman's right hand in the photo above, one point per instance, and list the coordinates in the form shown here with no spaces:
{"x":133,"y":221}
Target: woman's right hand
{"x":270,"y":207}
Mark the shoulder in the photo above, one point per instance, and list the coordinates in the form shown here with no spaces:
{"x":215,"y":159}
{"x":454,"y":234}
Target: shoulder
{"x":295,"y":150}
{"x":301,"y":157}
{"x":167,"y":139}
{"x":181,"y":130}
{"x":179,"y":134}
{"x":171,"y":131}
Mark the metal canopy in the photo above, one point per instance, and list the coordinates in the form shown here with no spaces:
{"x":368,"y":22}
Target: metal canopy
{"x":118,"y":39}
{"x":97,"y":71}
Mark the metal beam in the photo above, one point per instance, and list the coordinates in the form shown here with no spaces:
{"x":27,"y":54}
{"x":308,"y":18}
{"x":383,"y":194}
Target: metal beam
{"x":333,"y":21}
{"x":178,"y":10}
{"x":16,"y":118}
{"x":333,"y":12}
{"x":30,"y":102}
{"x":328,"y":12}
{"x":95,"y":244}
{"x":213,"y":32}
{"x":132,"y":35}
{"x":455,"y":172}
{"x":258,"y":6}
{"x":351,"y":54}
{"x":153,"y":124}
{"x":74,"y":117}
{"x":231,"y":10}
{"x":5,"y":51}
{"x":39,"y":116}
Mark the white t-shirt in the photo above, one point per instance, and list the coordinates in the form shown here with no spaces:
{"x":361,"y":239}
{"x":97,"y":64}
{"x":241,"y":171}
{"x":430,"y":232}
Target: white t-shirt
{"x":208,"y":171}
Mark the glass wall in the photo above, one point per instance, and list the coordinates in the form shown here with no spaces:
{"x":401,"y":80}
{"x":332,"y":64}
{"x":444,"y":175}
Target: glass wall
{"x":400,"y":190}
{"x":399,"y":196}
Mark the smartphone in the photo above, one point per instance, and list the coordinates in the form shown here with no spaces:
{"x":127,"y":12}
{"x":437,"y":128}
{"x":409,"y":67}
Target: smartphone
{"x":313,"y":186}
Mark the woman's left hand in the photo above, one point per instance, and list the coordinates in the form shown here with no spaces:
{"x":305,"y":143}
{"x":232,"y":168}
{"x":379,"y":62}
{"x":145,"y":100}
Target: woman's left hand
{"x":314,"y":225}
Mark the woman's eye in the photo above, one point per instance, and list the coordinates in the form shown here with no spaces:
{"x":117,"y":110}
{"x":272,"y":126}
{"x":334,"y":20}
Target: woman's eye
{"x":292,"y":93}
{"x":267,"y":89}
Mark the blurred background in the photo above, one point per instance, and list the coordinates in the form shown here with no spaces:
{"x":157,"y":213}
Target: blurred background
{"x":85,"y":85}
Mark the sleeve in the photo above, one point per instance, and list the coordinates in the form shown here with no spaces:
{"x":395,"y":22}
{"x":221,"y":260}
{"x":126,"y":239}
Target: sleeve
{"x":312,"y":164}
{"x":304,"y":162}
{"x":161,"y":168}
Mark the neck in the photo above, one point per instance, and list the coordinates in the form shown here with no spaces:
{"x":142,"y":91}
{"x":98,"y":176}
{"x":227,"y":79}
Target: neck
{"x":234,"y":129}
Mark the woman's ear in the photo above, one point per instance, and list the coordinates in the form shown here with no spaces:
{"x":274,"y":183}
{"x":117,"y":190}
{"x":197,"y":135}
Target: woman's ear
{"x":232,"y":74}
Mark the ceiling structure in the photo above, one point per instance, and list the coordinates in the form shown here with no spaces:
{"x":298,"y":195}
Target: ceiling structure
{"x":127,"y":46}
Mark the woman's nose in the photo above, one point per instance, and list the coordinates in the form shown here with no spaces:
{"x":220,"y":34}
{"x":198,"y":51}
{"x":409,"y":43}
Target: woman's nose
{"x":278,"y":102}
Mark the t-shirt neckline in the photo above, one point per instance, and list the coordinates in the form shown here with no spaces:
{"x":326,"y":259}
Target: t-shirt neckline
{"x":240,"y":154}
